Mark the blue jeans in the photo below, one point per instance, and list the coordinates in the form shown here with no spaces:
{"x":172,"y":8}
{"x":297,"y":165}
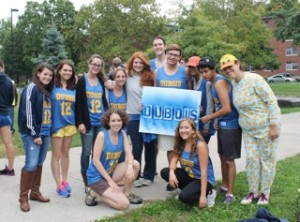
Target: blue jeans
{"x":35,"y":154}
{"x":137,"y":149}
{"x":87,"y":142}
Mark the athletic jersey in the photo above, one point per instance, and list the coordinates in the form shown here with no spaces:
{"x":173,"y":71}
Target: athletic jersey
{"x":63,"y":108}
{"x":192,"y":166}
{"x":94,"y":102}
{"x":109,"y":157}
{"x":152,"y":64}
{"x":116,"y":102}
{"x":47,"y":119}
{"x":229,"y":121}
{"x":201,"y":86}
{"x":177,"y":80}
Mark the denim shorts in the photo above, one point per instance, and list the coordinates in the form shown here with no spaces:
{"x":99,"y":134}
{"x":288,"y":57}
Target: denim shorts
{"x":5,"y":121}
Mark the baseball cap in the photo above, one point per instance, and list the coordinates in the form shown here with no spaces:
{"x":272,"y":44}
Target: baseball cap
{"x":194,"y":61}
{"x":207,"y":62}
{"x":227,"y":60}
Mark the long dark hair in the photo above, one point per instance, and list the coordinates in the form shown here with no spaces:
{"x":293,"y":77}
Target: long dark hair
{"x":179,"y":143}
{"x":71,"y":83}
{"x":45,"y":89}
{"x":101,"y":73}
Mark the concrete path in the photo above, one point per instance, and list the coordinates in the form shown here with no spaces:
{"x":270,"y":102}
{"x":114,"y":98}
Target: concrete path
{"x":74,"y":208}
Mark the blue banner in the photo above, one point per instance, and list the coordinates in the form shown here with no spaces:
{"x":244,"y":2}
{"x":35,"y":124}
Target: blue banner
{"x":163,"y":108}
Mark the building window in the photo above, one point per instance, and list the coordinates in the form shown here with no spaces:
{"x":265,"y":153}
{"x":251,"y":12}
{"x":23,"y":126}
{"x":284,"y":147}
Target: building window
{"x":293,"y":51}
{"x":290,"y":66}
{"x":266,"y":23}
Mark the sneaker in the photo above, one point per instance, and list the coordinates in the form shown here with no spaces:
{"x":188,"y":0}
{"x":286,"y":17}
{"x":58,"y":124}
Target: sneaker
{"x":89,"y":199}
{"x":263,"y":199}
{"x":249,"y":198}
{"x":229,"y":198}
{"x":211,"y":198}
{"x":222,"y":190}
{"x":146,"y":182}
{"x":62,"y":192}
{"x":67,"y":186}
{"x":7,"y":172}
{"x":138,"y":182}
{"x":170,"y":188}
{"x":134,"y":199}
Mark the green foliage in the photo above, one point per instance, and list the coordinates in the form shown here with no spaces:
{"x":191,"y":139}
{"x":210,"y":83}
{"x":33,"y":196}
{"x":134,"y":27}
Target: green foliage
{"x":117,"y":28}
{"x":286,"y":89}
{"x":53,"y":48}
{"x":282,"y":203}
{"x":217,"y":27}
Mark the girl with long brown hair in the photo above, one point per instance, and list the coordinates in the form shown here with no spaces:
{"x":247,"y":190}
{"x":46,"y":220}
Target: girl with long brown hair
{"x":195,"y":177}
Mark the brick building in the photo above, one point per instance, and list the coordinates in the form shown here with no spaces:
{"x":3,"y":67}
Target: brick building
{"x":287,"y":53}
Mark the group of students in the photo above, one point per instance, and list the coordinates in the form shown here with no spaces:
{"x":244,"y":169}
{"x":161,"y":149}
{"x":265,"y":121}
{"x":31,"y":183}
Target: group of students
{"x":54,"y":104}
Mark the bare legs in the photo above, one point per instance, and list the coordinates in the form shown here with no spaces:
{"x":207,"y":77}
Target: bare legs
{"x":60,"y":158}
{"x":119,"y":200}
{"x":6,"y":139}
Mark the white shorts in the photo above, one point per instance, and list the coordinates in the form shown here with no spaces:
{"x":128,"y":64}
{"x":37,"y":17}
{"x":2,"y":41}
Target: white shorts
{"x":165,"y":143}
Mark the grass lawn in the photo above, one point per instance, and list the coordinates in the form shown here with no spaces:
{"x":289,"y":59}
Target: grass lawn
{"x":286,"y":89}
{"x":283,"y":202}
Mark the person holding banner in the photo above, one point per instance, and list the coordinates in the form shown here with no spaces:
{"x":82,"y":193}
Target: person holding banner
{"x":229,"y":131}
{"x":105,"y":171}
{"x":260,"y":120}
{"x":140,"y":75}
{"x":159,"y":48}
{"x":171,"y":75}
{"x":207,"y":101}
{"x":195,"y":177}
{"x":90,"y":105}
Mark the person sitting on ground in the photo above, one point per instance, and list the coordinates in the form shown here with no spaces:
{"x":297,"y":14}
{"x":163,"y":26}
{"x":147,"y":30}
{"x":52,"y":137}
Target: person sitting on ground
{"x":104,"y":171}
{"x":196,"y":177}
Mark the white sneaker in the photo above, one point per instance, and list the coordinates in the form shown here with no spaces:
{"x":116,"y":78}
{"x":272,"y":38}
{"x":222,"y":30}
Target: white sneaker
{"x":138,"y":182}
{"x":211,"y":198}
{"x":146,"y":182}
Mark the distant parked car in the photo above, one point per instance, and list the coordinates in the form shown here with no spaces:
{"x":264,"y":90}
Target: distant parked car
{"x":280,"y":78}
{"x":292,"y":76}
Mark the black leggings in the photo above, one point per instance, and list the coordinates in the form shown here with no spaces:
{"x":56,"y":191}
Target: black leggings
{"x":190,"y":187}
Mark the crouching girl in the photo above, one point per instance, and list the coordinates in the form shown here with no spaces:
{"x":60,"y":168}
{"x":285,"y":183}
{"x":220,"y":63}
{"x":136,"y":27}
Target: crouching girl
{"x":105,"y":172}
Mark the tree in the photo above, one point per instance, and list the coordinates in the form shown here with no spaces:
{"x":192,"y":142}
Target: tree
{"x":217,"y":27}
{"x":287,"y":17}
{"x":53,"y":48}
{"x":117,"y":28}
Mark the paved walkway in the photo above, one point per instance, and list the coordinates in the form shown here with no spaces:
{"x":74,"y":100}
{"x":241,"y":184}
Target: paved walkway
{"x":74,"y":208}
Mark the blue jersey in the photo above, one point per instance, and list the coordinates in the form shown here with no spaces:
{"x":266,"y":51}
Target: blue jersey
{"x":191,"y":165}
{"x":229,"y":121}
{"x":63,"y":108}
{"x":47,"y":119}
{"x":94,"y":102}
{"x":152,"y":64}
{"x":116,"y":102}
{"x":109,"y":157}
{"x":177,"y":80}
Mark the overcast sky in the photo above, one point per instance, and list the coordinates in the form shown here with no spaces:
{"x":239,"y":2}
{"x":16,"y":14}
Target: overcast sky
{"x":6,"y":5}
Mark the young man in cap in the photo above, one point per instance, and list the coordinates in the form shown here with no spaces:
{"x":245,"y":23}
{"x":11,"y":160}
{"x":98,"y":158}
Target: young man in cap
{"x":207,"y":102}
{"x":229,"y":132}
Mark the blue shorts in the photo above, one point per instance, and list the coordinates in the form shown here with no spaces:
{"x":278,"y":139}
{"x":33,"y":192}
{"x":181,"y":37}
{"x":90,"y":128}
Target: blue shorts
{"x":5,"y":121}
